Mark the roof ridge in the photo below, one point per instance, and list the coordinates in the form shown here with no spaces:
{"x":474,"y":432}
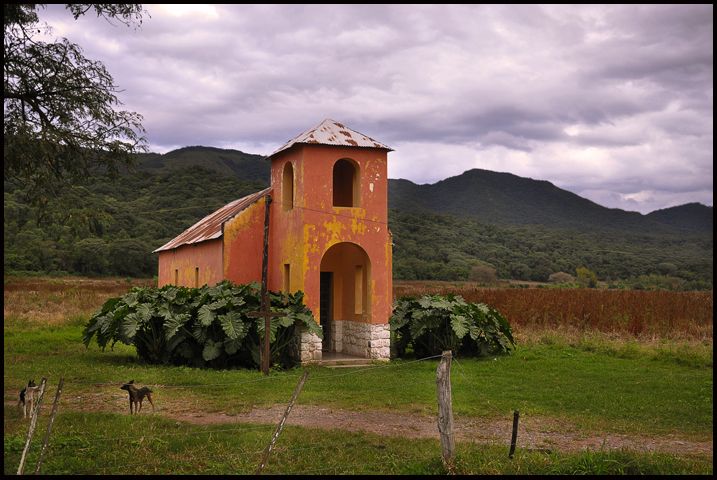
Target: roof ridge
{"x":332,"y":132}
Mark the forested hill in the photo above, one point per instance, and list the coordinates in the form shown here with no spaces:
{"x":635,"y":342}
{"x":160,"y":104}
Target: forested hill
{"x":495,"y":198}
{"x":521,"y":228}
{"x":691,"y":217}
{"x":488,"y":197}
{"x":243,"y":166}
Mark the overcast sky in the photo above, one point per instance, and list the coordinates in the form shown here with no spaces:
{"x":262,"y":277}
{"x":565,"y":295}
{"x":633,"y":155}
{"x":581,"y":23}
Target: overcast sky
{"x":614,"y":103}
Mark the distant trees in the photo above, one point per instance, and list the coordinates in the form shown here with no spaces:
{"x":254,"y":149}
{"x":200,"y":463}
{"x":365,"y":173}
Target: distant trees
{"x":151,"y":206}
{"x":483,"y":273}
{"x":112,"y":229}
{"x":520,"y":271}
{"x":89,"y":256}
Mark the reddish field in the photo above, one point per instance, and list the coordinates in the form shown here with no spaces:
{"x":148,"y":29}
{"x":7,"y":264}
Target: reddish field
{"x":644,"y":314}
{"x":663,"y":314}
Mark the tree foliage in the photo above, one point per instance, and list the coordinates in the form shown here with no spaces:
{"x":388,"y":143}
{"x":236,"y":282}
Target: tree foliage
{"x":61,"y":121}
{"x":586,"y":277}
{"x":428,"y":246}
{"x":202,"y":327}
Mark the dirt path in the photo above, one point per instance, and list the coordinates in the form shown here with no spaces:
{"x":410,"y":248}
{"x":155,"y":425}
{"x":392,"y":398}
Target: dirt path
{"x":533,"y":433}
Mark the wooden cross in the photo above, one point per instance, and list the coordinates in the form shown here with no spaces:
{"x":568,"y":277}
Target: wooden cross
{"x":266,"y":313}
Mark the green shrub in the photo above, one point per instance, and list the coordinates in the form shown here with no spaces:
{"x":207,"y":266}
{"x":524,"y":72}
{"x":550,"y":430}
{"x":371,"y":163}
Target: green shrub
{"x":434,"y":323}
{"x":202,"y":327}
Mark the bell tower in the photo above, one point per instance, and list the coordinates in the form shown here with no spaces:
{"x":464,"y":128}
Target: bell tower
{"x":329,"y":236}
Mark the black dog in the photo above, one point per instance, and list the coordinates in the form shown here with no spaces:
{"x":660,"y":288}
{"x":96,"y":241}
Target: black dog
{"x":27,"y":397}
{"x":136,"y":395}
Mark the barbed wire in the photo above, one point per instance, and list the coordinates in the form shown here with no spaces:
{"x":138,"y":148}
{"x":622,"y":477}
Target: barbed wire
{"x":355,"y":370}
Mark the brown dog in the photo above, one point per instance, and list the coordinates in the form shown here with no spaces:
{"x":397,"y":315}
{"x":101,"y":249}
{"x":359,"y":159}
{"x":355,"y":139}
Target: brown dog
{"x":136,"y":395}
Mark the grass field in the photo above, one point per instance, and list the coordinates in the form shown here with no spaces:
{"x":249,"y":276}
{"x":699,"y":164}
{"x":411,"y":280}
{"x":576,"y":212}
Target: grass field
{"x":588,"y":381}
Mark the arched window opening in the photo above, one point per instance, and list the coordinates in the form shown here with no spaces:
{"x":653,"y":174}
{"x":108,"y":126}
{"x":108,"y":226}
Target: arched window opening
{"x":346,"y":184}
{"x":287,"y":187}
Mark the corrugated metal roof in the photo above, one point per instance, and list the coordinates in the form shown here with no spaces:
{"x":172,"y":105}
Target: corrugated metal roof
{"x":210,"y":227}
{"x":331,"y":132}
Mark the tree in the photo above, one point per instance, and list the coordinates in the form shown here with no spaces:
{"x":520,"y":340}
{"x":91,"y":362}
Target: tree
{"x":586,"y":277}
{"x":60,"y":122}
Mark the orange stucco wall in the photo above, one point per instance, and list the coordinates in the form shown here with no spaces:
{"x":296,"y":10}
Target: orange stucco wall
{"x":178,"y":266}
{"x":244,"y":244}
{"x":301,"y":236}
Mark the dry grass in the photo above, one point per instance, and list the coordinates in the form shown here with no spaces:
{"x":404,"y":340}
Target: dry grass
{"x":55,"y":301}
{"x":649,"y":316}
{"x":644,"y":315}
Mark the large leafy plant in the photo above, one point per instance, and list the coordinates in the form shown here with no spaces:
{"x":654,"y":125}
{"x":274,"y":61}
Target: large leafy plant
{"x":434,"y":323}
{"x":207,"y":326}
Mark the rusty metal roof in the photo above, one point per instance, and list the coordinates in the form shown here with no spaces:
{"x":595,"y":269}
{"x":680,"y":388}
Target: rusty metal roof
{"x":331,"y":132}
{"x":210,"y":227}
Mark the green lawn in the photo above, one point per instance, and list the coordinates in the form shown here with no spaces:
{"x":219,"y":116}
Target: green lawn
{"x":119,"y":444}
{"x":621,"y":388}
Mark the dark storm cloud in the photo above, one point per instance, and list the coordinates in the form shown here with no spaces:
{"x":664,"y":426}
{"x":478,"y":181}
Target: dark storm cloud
{"x":613,"y":100}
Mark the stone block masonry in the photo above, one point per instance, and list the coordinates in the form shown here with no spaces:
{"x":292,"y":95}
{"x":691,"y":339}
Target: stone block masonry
{"x":310,"y":347}
{"x":361,"y":339}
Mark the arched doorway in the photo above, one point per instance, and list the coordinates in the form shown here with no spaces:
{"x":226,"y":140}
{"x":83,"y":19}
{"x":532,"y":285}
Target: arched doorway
{"x":345,"y":299}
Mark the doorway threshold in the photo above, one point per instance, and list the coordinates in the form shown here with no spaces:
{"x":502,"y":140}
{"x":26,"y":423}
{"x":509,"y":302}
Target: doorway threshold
{"x":339,"y":359}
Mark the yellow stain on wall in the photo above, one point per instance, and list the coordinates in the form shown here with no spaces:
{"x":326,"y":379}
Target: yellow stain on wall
{"x":357,"y":226}
{"x":310,"y":246}
{"x":333,"y":229}
{"x":389,"y":253}
{"x":241,"y":220}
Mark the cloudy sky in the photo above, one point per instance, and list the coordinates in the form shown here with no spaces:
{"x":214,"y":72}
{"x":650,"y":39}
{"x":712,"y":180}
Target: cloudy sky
{"x":614,"y":103}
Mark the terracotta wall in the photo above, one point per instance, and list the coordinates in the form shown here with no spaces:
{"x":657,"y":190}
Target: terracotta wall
{"x":179,"y":266}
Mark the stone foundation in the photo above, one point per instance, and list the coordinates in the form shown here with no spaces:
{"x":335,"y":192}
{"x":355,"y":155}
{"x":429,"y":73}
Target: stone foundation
{"x":309,"y":347}
{"x":361,"y":339}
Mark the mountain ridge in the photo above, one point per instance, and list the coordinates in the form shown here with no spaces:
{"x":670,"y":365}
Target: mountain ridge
{"x":517,"y":228}
{"x":490,"y":197}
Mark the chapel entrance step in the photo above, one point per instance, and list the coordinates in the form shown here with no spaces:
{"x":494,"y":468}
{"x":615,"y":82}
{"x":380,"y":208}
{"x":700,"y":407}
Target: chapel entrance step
{"x":341,"y":360}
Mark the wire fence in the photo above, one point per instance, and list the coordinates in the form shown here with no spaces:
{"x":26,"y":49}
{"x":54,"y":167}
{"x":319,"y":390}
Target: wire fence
{"x":286,"y":455}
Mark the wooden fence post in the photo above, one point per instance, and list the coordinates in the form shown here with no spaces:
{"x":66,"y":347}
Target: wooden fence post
{"x":279,"y":427}
{"x":445,"y":409}
{"x":514,"y":437}
{"x":46,"y":440}
{"x":33,"y":423}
